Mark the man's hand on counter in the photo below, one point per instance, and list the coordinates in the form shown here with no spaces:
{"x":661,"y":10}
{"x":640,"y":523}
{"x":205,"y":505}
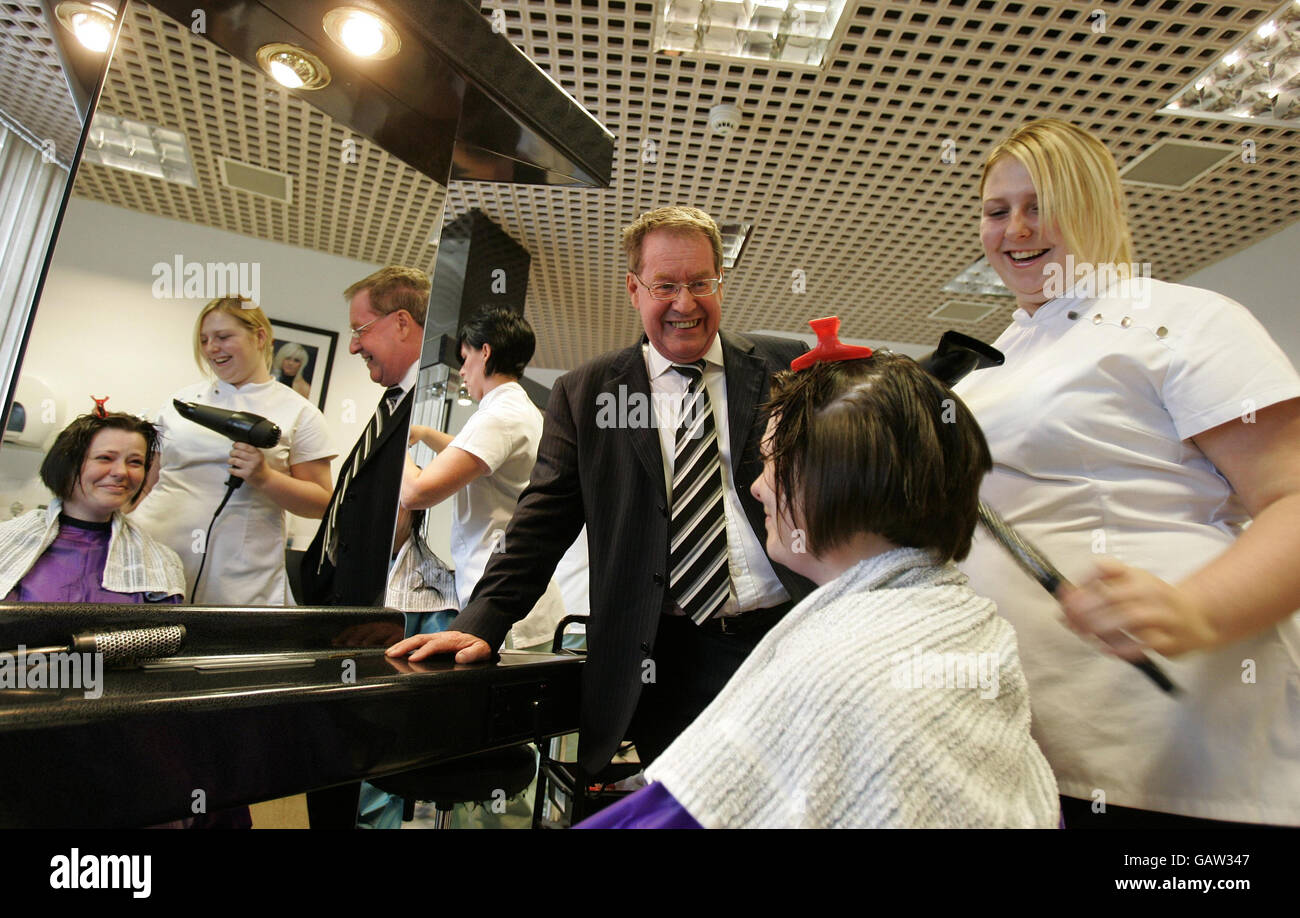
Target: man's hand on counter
{"x":467,"y":647}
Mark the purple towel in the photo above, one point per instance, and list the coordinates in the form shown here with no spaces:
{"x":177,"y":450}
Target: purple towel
{"x":651,"y":807}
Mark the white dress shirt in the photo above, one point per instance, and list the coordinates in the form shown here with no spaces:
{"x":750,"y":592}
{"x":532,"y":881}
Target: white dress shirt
{"x":754,"y":584}
{"x":408,"y":380}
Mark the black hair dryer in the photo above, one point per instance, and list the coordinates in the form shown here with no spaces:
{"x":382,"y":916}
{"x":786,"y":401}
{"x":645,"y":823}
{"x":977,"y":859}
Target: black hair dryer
{"x":239,"y":426}
{"x":957,"y":355}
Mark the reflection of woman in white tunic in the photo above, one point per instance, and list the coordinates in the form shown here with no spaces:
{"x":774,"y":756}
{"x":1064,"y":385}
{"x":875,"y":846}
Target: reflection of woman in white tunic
{"x":245,"y":551}
{"x":1146,"y":422}
{"x":487,"y":465}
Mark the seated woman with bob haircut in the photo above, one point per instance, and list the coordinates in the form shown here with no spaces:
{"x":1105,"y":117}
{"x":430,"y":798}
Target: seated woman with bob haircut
{"x":892,"y":696}
{"x":83,"y":548}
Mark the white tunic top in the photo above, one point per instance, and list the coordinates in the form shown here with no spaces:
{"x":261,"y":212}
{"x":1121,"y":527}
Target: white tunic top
{"x":245,"y":563}
{"x":1089,"y":424}
{"x":504,"y":432}
{"x":754,"y":584}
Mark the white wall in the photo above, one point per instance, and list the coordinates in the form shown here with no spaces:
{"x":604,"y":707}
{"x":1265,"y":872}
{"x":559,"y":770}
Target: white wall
{"x":1265,"y":278}
{"x":100,"y":331}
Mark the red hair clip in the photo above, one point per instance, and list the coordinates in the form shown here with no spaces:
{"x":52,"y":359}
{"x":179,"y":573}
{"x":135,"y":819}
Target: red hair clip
{"x":829,"y":348}
{"x":100,"y":411}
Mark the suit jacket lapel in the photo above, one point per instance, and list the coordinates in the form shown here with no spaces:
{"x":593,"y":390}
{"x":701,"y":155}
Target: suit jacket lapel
{"x":629,"y":371}
{"x":395,"y":423}
{"x":745,"y":372}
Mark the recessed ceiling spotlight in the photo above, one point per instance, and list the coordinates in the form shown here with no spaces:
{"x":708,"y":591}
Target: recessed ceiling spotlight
{"x":293,"y":67}
{"x":92,"y":23}
{"x":362,"y":33}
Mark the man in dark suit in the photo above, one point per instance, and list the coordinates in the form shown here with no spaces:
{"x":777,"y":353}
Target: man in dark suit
{"x":635,"y":445}
{"x":347,"y":563}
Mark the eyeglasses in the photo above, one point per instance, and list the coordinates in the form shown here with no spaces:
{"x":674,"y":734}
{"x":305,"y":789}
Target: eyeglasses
{"x":356,"y":332}
{"x":705,"y":286}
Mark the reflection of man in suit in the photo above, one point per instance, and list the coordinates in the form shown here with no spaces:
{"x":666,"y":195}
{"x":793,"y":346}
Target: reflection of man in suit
{"x":613,"y":457}
{"x":347,"y":563}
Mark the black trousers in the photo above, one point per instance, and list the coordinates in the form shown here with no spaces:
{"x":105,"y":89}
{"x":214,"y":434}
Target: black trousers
{"x":1079,"y":815}
{"x":692,"y":664}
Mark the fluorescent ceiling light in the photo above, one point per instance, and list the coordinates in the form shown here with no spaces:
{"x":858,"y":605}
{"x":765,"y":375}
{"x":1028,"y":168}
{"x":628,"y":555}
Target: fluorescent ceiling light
{"x":1257,"y":81}
{"x":144,"y":149}
{"x":979,"y":278}
{"x":734,"y":237}
{"x":795,"y":32}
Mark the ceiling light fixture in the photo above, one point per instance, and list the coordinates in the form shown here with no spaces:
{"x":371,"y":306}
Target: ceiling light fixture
{"x":979,"y":278}
{"x":1257,"y":82}
{"x":791,"y":32}
{"x":139,"y":147}
{"x":734,"y":238}
{"x":91,"y":23}
{"x":293,"y":67}
{"x":362,"y":33}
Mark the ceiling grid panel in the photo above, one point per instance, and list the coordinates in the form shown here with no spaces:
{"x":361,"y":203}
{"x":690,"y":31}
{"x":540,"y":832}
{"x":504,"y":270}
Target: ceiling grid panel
{"x":839,"y":168}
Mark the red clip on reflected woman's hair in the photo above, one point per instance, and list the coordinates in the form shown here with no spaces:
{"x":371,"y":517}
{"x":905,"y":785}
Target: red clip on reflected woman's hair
{"x":829,"y":348}
{"x":100,"y":411}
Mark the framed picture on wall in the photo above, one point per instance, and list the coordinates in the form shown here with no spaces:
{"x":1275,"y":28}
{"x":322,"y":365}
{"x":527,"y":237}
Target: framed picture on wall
{"x":302,"y":359}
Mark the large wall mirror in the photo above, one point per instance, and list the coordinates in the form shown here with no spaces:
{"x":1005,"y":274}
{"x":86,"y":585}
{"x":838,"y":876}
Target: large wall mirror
{"x":201,"y":176}
{"x":46,"y":87}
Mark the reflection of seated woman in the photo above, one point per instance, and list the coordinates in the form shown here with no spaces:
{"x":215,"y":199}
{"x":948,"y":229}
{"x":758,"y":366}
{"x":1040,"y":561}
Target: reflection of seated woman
{"x":289,"y":367}
{"x":82,"y":548}
{"x":245,"y":550}
{"x":893,"y":695}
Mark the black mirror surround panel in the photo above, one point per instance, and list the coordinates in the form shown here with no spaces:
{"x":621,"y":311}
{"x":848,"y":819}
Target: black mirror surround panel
{"x":455,"y":81}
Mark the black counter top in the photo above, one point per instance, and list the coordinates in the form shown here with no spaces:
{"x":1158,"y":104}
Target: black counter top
{"x":157,"y":740}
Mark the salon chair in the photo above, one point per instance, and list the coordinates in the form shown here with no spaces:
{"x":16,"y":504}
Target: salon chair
{"x":488,"y":776}
{"x":579,"y":794}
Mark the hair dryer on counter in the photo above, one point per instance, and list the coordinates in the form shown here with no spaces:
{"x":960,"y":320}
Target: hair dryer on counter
{"x":239,"y":426}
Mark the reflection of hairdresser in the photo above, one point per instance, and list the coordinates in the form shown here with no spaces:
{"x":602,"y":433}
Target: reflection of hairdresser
{"x":290,"y":368}
{"x":82,"y":548}
{"x":870,"y":484}
{"x":1147,"y":423}
{"x":245,"y":552}
{"x":486,"y":466}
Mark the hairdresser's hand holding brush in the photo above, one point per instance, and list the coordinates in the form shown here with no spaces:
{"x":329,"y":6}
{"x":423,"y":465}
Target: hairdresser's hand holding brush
{"x":1130,"y":610}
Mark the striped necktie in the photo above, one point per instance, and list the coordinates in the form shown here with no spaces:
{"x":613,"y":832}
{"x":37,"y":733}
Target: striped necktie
{"x":360,"y":453}
{"x":697,"y":537}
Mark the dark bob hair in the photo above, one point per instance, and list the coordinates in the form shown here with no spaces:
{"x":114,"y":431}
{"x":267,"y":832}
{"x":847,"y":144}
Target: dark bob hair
{"x":61,"y":468}
{"x":877,"y":445}
{"x":509,"y":334}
